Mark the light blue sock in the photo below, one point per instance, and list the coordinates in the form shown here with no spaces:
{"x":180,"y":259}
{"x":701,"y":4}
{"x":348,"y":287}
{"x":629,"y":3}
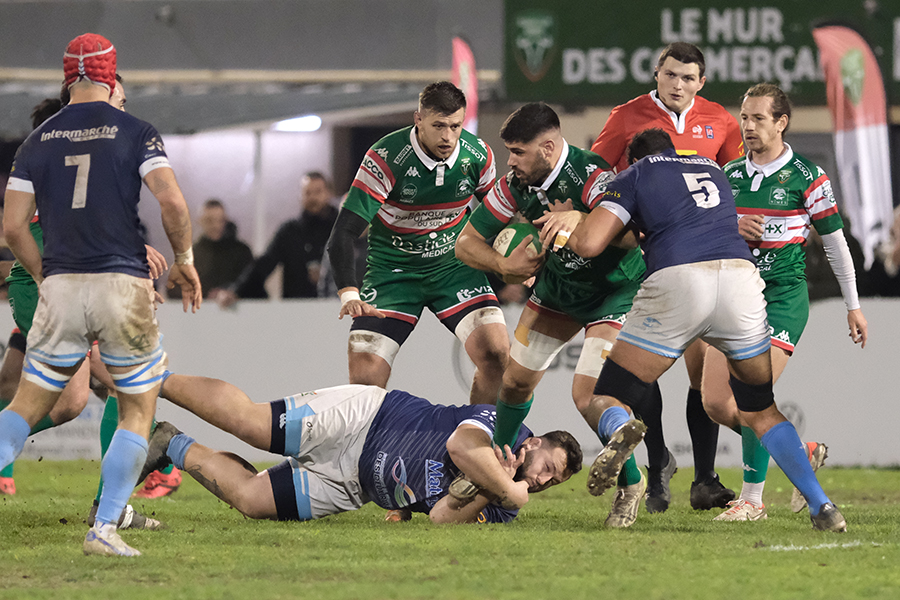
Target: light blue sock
{"x":178,"y":447}
{"x":783,"y":443}
{"x":14,"y":431}
{"x":120,"y":469}
{"x":610,"y":421}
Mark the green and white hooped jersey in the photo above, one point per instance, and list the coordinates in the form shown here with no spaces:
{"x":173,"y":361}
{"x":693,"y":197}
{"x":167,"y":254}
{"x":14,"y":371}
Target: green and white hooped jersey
{"x":578,"y":175}
{"x":416,"y":205}
{"x":792,"y":193}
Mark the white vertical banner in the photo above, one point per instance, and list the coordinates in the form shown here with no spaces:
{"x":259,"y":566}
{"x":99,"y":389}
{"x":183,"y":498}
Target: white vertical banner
{"x":858,"y":105}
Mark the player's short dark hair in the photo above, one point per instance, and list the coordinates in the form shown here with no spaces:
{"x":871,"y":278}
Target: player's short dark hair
{"x":781,"y":104}
{"x":647,"y":142}
{"x":682,"y":52}
{"x":528,"y":122}
{"x":44,"y":110}
{"x":64,"y":95}
{"x":442,"y":97}
{"x":566,"y":441}
{"x":214,"y":203}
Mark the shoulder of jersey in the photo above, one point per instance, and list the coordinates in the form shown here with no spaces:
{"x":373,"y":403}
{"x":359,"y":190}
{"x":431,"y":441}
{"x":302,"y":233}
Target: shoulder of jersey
{"x":809,"y":170}
{"x":738,"y":163}
{"x":591,"y":160}
{"x":474,"y":146}
{"x":394,"y":148}
{"x":709,"y":107}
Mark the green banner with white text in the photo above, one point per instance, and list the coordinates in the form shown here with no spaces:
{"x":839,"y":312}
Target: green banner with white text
{"x":602,"y":53}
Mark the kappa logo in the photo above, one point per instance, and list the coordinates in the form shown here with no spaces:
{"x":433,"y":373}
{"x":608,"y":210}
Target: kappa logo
{"x":590,"y":168}
{"x":784,"y":336}
{"x":412,"y":172}
{"x":382,"y":152}
{"x":736,"y":174}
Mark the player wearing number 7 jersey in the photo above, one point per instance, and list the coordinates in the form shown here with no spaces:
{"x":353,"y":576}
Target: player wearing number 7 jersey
{"x":83,"y":170}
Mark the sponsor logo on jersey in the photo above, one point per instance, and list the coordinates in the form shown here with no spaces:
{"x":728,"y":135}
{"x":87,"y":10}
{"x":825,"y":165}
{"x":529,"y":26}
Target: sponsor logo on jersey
{"x":155,"y":143}
{"x":572,"y":261}
{"x":774,"y":229}
{"x":282,"y":420}
{"x":650,"y":323}
{"x":408,"y":192}
{"x":412,"y":172}
{"x":778,"y":197}
{"x":802,"y":168}
{"x":378,"y":472}
{"x":736,"y":174}
{"x":827,"y":191}
{"x":783,"y":335}
{"x":784,"y":175}
{"x":535,"y":42}
{"x":466,"y":294}
{"x":765,"y":261}
{"x":370,"y":165}
{"x":403,"y":494}
{"x":473,"y":150}
{"x":433,"y":475}
{"x":85,"y":135}
{"x":697,"y":130}
{"x":382,"y":152}
{"x":368,"y":295}
{"x":709,"y":132}
{"x":573,"y":175}
{"x":463,"y":188}
{"x":402,"y":156}
{"x":430,"y":246}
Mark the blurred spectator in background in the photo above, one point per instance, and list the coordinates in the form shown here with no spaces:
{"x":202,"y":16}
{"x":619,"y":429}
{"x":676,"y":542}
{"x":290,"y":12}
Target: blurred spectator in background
{"x":298,"y":246}
{"x":219,"y":256}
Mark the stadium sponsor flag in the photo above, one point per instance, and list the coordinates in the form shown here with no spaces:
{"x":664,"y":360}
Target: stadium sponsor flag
{"x":856,"y":98}
{"x":465,"y":77}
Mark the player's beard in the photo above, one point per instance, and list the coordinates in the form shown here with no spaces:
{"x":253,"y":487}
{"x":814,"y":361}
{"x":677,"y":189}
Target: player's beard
{"x":542,"y":169}
{"x":520,"y":472}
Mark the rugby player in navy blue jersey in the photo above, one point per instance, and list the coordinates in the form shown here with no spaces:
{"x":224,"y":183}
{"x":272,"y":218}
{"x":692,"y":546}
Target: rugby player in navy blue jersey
{"x":83,"y":169}
{"x":351,"y":444}
{"x":701,"y":282}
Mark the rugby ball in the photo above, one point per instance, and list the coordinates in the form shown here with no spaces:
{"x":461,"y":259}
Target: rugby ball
{"x":512,"y":235}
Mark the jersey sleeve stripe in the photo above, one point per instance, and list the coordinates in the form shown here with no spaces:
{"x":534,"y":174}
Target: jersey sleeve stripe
{"x":367,"y":190}
{"x":501,"y":202}
{"x":616,"y":209}
{"x":769,"y":212}
{"x":20,"y":185}
{"x":815,"y":185}
{"x":488,"y":174}
{"x":478,"y":424}
{"x":590,"y":197}
{"x":151,"y":164}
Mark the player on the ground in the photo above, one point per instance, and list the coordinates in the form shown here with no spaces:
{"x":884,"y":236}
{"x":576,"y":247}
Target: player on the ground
{"x":413,"y":187}
{"x":779,"y":195}
{"x":702,"y":283}
{"x":571,"y":293}
{"x":351,"y":444}
{"x":82,"y":169}
{"x":696,"y":126}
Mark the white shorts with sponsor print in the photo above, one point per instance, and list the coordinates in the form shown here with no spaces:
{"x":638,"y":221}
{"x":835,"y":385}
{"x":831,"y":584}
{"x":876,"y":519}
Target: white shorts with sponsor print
{"x":720,"y":301}
{"x":76,"y":309}
{"x":325,"y":431}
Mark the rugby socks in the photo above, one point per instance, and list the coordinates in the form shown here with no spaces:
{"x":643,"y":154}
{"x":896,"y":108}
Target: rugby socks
{"x":783,"y":443}
{"x":704,"y":437}
{"x":6,"y":471}
{"x":755,"y":457}
{"x":178,"y":447}
{"x":610,"y":421}
{"x":14,"y":431}
{"x":650,"y":412}
{"x":121,"y":467}
{"x":109,"y":422}
{"x":509,"y":420}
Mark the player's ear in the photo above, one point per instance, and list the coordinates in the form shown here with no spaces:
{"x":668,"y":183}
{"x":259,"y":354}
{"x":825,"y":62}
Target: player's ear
{"x":702,"y":83}
{"x":547,"y":147}
{"x":417,"y":117}
{"x":532,"y":443}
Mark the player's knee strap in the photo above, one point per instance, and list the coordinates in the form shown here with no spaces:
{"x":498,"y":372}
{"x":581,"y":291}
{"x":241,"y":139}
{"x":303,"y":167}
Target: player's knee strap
{"x":593,"y":355}
{"x":621,"y":384}
{"x":752,"y":398}
{"x":143,"y":378}
{"x":475,"y":319}
{"x":371,"y":342}
{"x":534,"y":350}
{"x":43,"y":376}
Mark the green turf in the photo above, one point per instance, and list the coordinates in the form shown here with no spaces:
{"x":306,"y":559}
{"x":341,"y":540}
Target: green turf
{"x":556,"y":549}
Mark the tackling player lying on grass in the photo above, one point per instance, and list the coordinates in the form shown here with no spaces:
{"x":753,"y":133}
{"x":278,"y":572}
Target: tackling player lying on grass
{"x":352,"y":444}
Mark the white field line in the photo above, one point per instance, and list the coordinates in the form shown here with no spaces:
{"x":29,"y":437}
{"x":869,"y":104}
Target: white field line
{"x":793,"y":548}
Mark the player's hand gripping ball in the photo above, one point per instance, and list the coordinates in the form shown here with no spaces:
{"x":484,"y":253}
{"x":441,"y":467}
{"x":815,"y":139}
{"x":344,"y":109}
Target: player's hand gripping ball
{"x":512,"y":235}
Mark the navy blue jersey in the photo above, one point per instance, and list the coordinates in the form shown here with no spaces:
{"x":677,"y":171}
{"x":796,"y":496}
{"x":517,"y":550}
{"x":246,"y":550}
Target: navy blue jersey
{"x":85,"y":166}
{"x":684,"y":206}
{"x":405,"y":463}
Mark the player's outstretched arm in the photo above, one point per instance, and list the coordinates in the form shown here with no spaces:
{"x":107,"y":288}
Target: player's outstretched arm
{"x":841,"y":262}
{"x":596,"y":232}
{"x":471,"y":451}
{"x":18,"y":211}
{"x":176,"y":221}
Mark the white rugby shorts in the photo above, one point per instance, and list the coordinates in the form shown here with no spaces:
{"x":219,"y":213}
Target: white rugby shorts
{"x":75,"y":309}
{"x":719,"y":301}
{"x":325,"y":431}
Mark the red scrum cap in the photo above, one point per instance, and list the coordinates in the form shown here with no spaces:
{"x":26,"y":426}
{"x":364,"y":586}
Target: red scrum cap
{"x":92,"y":57}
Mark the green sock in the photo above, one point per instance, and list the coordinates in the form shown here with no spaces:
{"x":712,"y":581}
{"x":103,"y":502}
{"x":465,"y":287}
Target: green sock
{"x":630,"y":474}
{"x":755,"y":457}
{"x":45,"y":423}
{"x":108,"y":425}
{"x":509,"y":420}
{"x":167,"y":470}
{"x":7,"y":471}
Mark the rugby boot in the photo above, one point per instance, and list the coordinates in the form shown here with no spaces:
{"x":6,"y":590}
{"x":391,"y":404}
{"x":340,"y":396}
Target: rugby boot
{"x":817,"y":454}
{"x":603,"y":473}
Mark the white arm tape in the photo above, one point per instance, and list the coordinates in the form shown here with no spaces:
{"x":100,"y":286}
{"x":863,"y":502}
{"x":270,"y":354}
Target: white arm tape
{"x":838,"y":254}
{"x":348,"y":296}
{"x":185,"y":258}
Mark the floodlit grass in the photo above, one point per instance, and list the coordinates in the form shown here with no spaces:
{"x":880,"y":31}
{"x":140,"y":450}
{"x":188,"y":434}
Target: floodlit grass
{"x":558,"y":548}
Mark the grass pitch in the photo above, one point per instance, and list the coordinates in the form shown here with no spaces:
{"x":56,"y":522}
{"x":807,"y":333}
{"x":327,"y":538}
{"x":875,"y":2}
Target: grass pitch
{"x":557,"y":548}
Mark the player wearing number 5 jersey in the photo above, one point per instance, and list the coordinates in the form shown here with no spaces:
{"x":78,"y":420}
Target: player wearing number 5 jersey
{"x":83,"y":170}
{"x":779,"y":196}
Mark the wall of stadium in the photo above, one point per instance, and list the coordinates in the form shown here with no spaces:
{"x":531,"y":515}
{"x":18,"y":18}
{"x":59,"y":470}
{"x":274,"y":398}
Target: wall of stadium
{"x":833,"y":391}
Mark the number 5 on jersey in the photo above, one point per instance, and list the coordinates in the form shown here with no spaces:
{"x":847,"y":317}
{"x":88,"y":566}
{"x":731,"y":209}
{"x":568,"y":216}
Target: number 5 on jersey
{"x":707,"y":194}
